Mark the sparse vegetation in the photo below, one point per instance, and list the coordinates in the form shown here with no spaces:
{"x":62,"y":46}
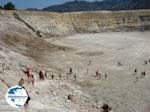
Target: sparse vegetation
{"x":76,"y":5}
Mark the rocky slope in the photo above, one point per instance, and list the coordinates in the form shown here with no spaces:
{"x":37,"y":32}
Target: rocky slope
{"x":58,"y":24}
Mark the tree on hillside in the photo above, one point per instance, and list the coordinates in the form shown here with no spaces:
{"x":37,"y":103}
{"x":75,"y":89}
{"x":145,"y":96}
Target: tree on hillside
{"x":9,"y":6}
{"x":1,"y":7}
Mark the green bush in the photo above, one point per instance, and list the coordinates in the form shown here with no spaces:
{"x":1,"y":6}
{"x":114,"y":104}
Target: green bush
{"x":9,"y":6}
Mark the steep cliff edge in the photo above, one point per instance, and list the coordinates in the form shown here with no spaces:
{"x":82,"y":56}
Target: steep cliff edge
{"x":59,"y":24}
{"x":87,"y":22}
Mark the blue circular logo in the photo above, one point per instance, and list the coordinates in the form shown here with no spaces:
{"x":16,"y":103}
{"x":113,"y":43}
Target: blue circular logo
{"x":16,"y":96}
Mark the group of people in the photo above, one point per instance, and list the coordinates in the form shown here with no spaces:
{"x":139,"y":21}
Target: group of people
{"x":70,"y":73}
{"x":143,"y":73}
{"x":146,"y":62}
{"x":43,"y":75}
{"x":32,"y":76}
{"x":99,"y":74}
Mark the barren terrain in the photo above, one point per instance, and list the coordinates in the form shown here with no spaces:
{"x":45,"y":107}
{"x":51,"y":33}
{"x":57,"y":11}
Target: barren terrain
{"x":120,"y":89}
{"x":47,"y":42}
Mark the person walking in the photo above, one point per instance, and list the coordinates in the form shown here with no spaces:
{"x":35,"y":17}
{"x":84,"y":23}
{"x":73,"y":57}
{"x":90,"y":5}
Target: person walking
{"x":75,"y":78}
{"x":27,"y":72}
{"x":32,"y":80}
{"x":21,"y":82}
{"x":60,"y":76}
{"x":70,"y":71}
{"x":105,"y":76}
{"x":41,"y":75}
{"x":52,"y":76}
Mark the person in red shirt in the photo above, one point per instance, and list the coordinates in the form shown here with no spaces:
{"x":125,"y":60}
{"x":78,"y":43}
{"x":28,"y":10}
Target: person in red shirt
{"x":27,"y":72}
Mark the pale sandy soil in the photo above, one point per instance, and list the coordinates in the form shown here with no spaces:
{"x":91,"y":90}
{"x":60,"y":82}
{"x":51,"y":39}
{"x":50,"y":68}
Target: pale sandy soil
{"x":104,"y":50}
{"x":120,"y":90}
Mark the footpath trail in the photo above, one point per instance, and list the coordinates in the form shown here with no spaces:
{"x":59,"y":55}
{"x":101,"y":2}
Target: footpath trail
{"x":44,"y":97}
{"x":51,"y":95}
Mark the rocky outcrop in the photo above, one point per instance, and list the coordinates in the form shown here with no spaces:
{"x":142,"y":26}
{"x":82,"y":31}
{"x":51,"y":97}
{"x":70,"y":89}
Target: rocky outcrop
{"x":60,"y":24}
{"x":88,"y":22}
